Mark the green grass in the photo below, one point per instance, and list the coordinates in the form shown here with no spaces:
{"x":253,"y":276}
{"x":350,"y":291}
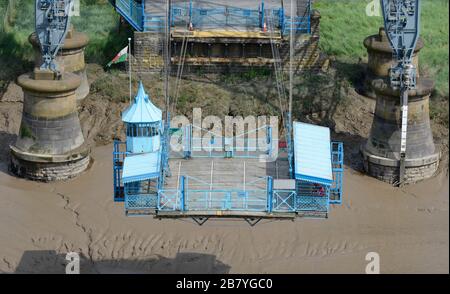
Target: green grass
{"x":98,"y":20}
{"x":344,"y":25}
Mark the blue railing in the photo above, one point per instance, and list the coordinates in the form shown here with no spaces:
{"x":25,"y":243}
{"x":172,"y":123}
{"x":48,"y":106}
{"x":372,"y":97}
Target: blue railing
{"x":227,"y":199}
{"x":252,"y":200}
{"x":170,"y":199}
{"x":251,"y":144}
{"x":140,"y":202}
{"x":312,"y":203}
{"x":226,"y":17}
{"x":284,"y":201}
{"x":119,"y":154}
{"x":337,"y":160}
{"x":153,"y":23}
{"x":132,"y":11}
{"x":300,"y":24}
{"x":230,"y":147}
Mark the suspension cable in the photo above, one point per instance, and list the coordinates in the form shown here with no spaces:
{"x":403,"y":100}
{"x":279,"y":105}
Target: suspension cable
{"x":181,"y":63}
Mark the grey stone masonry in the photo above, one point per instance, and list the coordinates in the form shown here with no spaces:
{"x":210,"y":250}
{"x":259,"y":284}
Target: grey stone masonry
{"x":48,"y":171}
{"x":390,"y":174}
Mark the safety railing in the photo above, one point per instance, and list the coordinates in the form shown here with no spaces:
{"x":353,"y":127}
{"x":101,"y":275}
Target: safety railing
{"x":170,"y":199}
{"x":225,"y":17}
{"x":119,"y":154}
{"x":140,"y":201}
{"x":337,"y":161}
{"x":312,"y":203}
{"x":180,"y":16}
{"x":229,"y":147}
{"x":251,"y":144}
{"x":284,"y":200}
{"x":239,"y":200}
{"x":290,"y":201}
{"x":312,"y":197}
{"x":236,"y":200}
{"x":153,"y":23}
{"x":119,"y":151}
{"x":299,"y":24}
{"x":132,"y":11}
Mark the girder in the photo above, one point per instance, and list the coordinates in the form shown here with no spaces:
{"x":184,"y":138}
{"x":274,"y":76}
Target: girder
{"x":52,"y":25}
{"x":402,"y":25}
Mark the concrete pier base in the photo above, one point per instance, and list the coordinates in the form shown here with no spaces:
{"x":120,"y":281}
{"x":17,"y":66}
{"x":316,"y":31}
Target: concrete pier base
{"x":381,"y":153}
{"x":50,"y":145}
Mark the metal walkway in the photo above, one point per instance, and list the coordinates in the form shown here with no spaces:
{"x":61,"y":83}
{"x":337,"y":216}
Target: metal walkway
{"x":149,"y":16}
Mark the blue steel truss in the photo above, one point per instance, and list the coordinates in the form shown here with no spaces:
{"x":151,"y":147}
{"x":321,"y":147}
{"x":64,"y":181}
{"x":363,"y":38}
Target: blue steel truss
{"x":337,"y":162}
{"x":119,"y":153}
{"x":132,"y":11}
{"x":211,"y":18}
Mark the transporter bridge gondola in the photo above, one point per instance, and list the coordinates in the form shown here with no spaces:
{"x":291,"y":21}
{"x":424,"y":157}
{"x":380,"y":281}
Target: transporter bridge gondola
{"x":215,"y":176}
{"x":249,"y":175}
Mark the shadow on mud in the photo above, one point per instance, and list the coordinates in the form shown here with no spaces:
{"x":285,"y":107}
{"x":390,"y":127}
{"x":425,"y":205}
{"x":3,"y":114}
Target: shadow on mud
{"x":51,"y":262}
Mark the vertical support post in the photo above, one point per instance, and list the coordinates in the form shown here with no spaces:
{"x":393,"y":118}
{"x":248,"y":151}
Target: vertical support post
{"x":269,"y":194}
{"x":327,"y":191}
{"x":187,"y":138}
{"x":244,"y":181}
{"x":288,"y":128}
{"x":280,"y":19}
{"x":114,"y":169}
{"x":125,"y":198}
{"x":309,"y":16}
{"x":186,"y":193}
{"x":143,"y":15}
{"x":269,"y":139}
{"x":183,"y":193}
{"x":404,"y":102}
{"x":131,"y":8}
{"x":291,"y":60}
{"x":129,"y":63}
{"x":158,"y":200}
{"x":190,"y":14}
{"x":171,"y":22}
{"x":211,"y":183}
{"x":262,"y":14}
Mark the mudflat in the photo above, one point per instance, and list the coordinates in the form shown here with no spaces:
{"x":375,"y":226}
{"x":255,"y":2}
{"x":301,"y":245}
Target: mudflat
{"x":41,"y":222}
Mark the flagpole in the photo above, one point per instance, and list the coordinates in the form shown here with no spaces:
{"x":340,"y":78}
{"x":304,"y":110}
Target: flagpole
{"x":129,"y":63}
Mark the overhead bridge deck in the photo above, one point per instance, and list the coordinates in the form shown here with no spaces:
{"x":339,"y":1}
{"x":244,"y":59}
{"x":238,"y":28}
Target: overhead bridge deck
{"x":150,"y":15}
{"x":226,"y":35}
